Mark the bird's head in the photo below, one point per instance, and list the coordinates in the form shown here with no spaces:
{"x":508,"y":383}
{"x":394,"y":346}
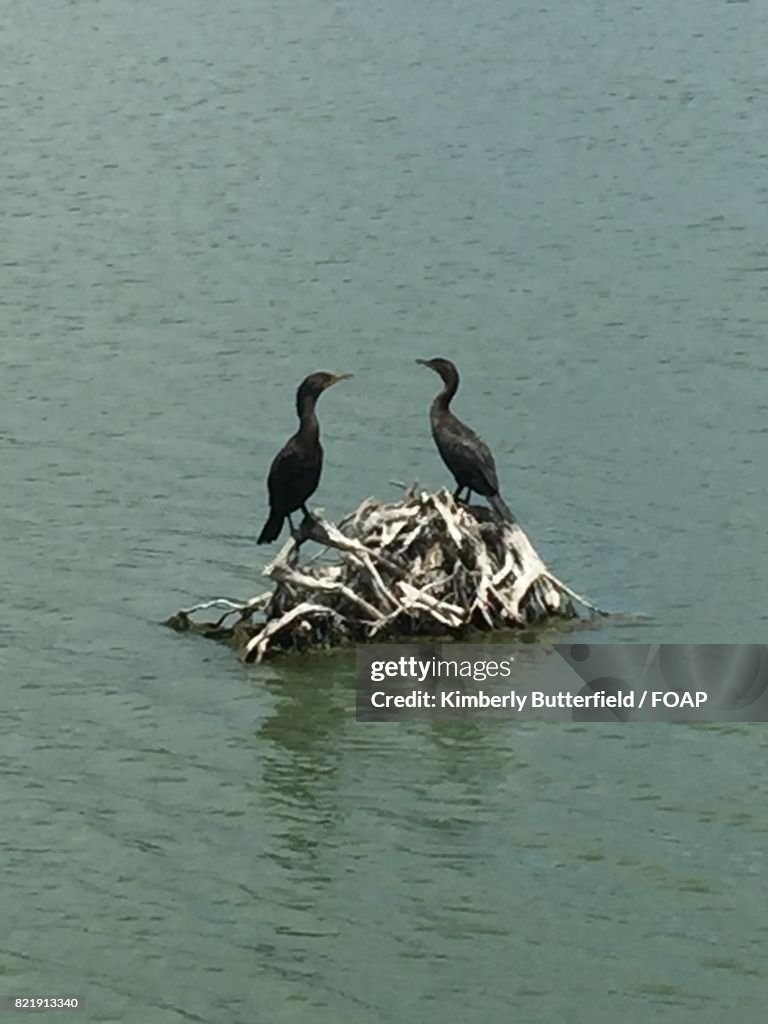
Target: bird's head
{"x":315,"y":384}
{"x":444,"y":367}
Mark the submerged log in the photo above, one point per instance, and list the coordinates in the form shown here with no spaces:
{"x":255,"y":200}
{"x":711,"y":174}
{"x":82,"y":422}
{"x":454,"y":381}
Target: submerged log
{"x":423,"y":566}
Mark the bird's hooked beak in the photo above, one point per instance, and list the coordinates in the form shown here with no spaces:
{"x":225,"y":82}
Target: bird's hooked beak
{"x":425,"y":362}
{"x":339,"y":376}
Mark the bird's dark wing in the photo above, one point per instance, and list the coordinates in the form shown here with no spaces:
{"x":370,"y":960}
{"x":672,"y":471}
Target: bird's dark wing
{"x":466,"y":454}
{"x":294,"y":475}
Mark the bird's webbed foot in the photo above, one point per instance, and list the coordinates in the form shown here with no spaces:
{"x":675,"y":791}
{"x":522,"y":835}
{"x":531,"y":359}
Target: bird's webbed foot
{"x":298,"y":533}
{"x":306,"y":530}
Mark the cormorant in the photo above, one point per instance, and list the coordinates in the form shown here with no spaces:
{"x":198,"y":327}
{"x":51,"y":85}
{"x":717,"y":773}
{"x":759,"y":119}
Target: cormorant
{"x":295,"y":471}
{"x":466,"y":455}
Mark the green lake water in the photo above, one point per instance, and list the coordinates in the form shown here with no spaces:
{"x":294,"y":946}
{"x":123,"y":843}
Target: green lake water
{"x":203,"y":203}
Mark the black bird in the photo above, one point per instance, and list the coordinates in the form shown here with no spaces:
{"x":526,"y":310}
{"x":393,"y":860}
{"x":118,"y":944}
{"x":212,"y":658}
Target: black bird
{"x":295,"y":471}
{"x":466,"y":455}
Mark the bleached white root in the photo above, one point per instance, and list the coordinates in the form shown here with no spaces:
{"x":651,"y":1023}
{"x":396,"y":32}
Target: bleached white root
{"x":422,"y":566}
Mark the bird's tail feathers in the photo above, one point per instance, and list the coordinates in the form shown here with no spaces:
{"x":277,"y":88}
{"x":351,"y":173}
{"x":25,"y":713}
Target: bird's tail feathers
{"x":501,"y":508}
{"x":272,"y":528}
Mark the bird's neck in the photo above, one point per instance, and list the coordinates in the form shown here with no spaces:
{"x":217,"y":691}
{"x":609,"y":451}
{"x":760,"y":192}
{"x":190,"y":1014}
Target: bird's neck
{"x":442,"y":402}
{"x":309,"y":428}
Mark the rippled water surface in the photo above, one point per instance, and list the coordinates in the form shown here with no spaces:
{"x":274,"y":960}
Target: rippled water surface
{"x":202,"y":203}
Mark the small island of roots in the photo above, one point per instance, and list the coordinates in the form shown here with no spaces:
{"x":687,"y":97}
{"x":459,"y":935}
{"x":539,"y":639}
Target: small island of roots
{"x":426,"y":566}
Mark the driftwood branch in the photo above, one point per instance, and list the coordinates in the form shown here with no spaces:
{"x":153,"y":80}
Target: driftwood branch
{"x":422,"y":566}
